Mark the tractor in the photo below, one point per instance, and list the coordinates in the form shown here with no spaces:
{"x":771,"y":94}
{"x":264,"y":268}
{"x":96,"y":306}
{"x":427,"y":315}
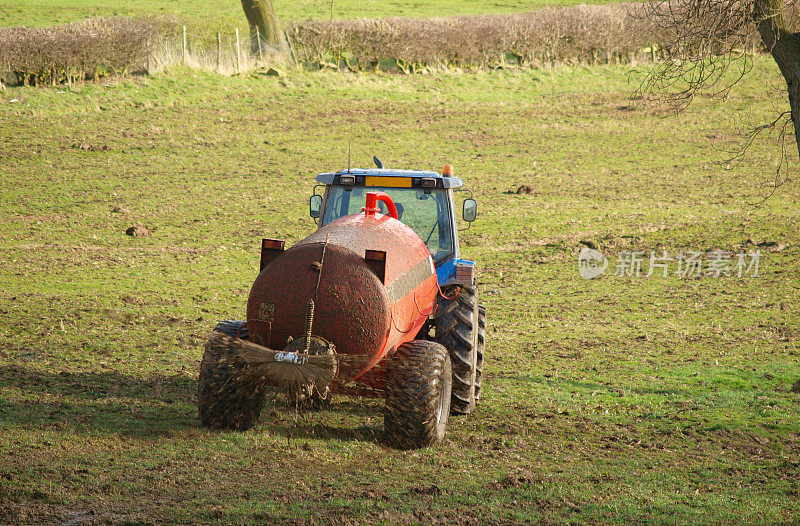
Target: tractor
{"x":376,"y":302}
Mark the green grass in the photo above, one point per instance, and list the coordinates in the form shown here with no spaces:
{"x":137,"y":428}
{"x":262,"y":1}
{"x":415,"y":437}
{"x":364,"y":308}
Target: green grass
{"x":615,"y":400}
{"x":229,"y":13}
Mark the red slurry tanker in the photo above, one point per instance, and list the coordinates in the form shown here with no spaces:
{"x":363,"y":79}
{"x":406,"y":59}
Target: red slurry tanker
{"x":351,"y":309}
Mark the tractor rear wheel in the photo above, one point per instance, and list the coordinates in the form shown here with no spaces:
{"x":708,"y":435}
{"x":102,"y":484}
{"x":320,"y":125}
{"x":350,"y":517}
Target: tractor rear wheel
{"x":224,"y":403}
{"x":457,"y":329}
{"x":479,"y":353}
{"x":419,"y":382}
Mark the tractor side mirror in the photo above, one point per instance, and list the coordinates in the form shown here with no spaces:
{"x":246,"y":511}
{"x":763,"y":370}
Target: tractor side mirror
{"x":315,"y":206}
{"x":470,"y":210}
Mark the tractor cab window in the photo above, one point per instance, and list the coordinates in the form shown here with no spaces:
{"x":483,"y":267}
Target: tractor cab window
{"x":426,"y":214}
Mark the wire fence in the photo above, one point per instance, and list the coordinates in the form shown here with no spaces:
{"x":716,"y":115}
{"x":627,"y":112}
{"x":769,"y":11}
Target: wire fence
{"x":227,"y":54}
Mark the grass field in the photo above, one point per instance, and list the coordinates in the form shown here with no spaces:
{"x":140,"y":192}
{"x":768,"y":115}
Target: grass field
{"x":613,"y":400}
{"x":226,"y":14}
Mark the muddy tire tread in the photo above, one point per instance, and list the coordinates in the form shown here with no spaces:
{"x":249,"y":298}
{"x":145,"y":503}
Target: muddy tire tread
{"x":416,"y":375}
{"x":221,"y":403}
{"x":479,"y":354}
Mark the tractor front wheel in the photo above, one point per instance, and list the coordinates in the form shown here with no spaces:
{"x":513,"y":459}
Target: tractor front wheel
{"x":222,"y":401}
{"x":457,"y":320}
{"x":419,"y":382}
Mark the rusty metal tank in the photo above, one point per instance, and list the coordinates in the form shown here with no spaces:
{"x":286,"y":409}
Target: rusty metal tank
{"x":372,"y":280}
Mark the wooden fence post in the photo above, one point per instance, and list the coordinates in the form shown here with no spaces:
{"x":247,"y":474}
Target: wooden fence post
{"x":219,"y":52}
{"x":291,"y":48}
{"x":185,"y":52}
{"x":238,"y":53}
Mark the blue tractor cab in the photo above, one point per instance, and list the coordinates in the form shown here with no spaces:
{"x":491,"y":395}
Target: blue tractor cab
{"x":425,"y":202}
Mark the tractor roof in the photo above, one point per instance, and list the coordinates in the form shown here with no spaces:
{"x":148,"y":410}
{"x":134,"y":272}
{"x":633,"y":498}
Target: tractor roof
{"x":361,"y":175}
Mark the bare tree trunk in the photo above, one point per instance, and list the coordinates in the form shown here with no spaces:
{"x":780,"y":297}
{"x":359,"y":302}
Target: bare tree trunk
{"x":793,"y":87}
{"x":264,"y":25}
{"x":785,"y":49}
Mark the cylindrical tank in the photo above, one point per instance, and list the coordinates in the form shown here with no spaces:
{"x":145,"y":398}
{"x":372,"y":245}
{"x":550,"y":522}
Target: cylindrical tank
{"x":363,"y":315}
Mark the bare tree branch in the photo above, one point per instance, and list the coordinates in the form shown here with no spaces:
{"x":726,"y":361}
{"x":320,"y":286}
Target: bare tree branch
{"x":708,"y":52}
